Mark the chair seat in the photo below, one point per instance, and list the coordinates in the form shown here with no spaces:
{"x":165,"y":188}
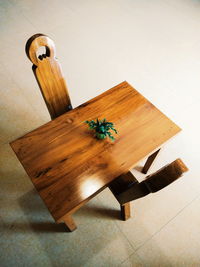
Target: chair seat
{"x":122,"y":183}
{"x":126,"y":188}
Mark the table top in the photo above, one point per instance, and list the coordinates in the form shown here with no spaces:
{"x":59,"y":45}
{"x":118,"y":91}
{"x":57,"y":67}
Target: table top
{"x":67,"y":165}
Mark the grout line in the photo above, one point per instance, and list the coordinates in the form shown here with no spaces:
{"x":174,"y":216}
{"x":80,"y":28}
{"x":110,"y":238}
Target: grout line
{"x":22,"y":93}
{"x":125,"y":236}
{"x":120,"y":229}
{"x":22,"y":13}
{"x":19,"y":9}
{"x":11,"y":75}
{"x":157,"y":232}
{"x":131,"y":245}
{"x":135,"y":252}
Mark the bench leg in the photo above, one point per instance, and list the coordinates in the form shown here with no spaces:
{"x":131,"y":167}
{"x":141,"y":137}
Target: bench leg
{"x":149,"y":162}
{"x":125,"y":211}
{"x":70,"y":223}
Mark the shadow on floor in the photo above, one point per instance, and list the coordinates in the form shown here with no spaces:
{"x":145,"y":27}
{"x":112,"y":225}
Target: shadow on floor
{"x":99,"y":212}
{"x":39,"y":227}
{"x":138,"y":168}
{"x":39,"y":219}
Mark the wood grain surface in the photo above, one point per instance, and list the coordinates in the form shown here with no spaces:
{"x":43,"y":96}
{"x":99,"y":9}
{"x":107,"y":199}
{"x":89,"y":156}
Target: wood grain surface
{"x":48,"y":74}
{"x":153,"y":183}
{"x":68,"y":165}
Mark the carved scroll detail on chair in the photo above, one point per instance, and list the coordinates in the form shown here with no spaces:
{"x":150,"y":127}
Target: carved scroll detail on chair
{"x":49,"y":75}
{"x":126,"y":188}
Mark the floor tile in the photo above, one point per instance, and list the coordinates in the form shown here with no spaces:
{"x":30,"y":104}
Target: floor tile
{"x":90,"y":245}
{"x":17,"y":115}
{"x":151,"y":213}
{"x":13,"y":179}
{"x":43,"y":15}
{"x":177,"y":244}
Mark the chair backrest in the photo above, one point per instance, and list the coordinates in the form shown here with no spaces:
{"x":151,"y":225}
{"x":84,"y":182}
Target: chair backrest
{"x":153,"y":183}
{"x":165,"y":176}
{"x":49,"y":75}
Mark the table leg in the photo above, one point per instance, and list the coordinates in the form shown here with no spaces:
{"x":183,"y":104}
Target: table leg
{"x":68,"y":220}
{"x":125,"y":211}
{"x":149,"y":162}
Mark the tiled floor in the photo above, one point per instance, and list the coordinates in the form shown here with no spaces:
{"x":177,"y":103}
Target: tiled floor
{"x":154,"y":45}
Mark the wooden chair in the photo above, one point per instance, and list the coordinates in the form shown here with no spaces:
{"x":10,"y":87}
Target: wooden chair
{"x":51,"y":81}
{"x":49,"y":75}
{"x":126,"y":188}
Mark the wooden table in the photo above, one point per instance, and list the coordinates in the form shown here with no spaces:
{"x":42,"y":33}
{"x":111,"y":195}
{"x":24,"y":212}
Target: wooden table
{"x":68,"y":166}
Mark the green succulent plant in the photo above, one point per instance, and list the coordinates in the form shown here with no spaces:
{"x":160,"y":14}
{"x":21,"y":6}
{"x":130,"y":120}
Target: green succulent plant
{"x":102,"y":128}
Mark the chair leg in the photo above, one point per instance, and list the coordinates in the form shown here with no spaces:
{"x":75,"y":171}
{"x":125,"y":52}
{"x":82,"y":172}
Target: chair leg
{"x":125,"y":211}
{"x":70,"y":223}
{"x":149,"y":162}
